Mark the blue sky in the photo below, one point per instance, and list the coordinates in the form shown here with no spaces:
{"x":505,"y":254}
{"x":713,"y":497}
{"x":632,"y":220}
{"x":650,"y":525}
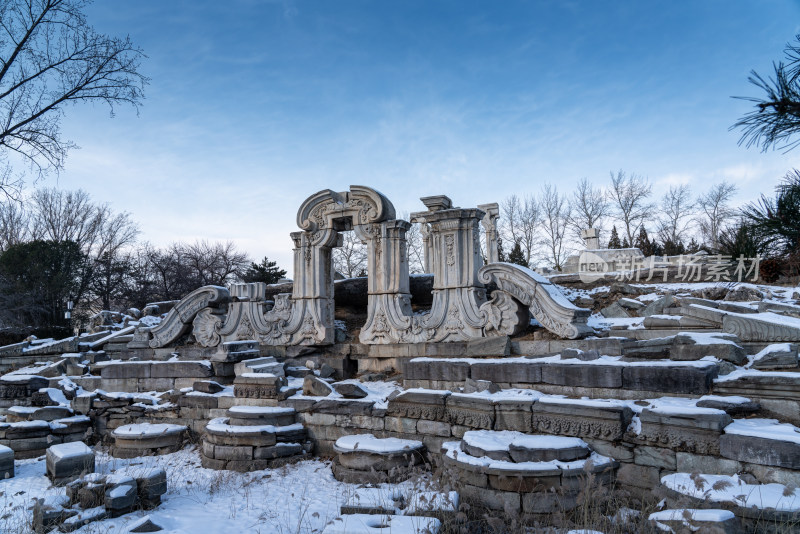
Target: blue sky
{"x":255,"y":105}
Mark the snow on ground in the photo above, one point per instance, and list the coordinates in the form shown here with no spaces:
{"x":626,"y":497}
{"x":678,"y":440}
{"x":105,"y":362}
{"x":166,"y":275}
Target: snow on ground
{"x":300,"y":498}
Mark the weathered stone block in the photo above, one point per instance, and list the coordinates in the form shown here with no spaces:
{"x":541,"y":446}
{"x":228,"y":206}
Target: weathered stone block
{"x":126,"y":370}
{"x":523,"y":372}
{"x":69,"y":460}
{"x":761,"y":450}
{"x":433,"y":369}
{"x":226,"y":452}
{"x":590,"y":376}
{"x":639,"y":476}
{"x":669,"y":379}
{"x":434,"y":428}
{"x":505,"y":501}
{"x":180,"y":369}
{"x":489,"y":346}
{"x":403,"y":425}
{"x":655,"y":457}
{"x":120,"y":494}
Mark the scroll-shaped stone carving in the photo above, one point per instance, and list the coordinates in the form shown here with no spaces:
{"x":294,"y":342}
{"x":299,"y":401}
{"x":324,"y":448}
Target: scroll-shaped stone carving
{"x":752,"y":327}
{"x":544,"y":300}
{"x":205,"y":328}
{"x":180,"y":318}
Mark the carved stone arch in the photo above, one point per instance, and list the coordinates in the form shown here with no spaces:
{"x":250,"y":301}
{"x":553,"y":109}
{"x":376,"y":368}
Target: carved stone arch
{"x":363,"y":205}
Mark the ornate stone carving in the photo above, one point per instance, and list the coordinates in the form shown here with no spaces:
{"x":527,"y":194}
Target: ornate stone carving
{"x":178,"y":320}
{"x":544,"y":300}
{"x":205,"y":328}
{"x":575,"y":426}
{"x":749,"y":328}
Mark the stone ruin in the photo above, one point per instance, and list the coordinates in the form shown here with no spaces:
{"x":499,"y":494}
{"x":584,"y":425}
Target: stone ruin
{"x":460,"y":309}
{"x":515,"y":388}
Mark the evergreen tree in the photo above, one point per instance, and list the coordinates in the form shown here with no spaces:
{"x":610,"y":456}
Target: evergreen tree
{"x":625,"y":243}
{"x":614,"y":241}
{"x":693,"y":247}
{"x":517,"y":256}
{"x":671,"y":248}
{"x":266,"y":271}
{"x":643,"y":242}
{"x":501,"y":255}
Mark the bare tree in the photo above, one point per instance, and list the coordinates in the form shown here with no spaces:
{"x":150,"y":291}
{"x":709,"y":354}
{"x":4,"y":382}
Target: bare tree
{"x":351,"y":258}
{"x":716,"y":212}
{"x":555,"y":220}
{"x":416,"y":248}
{"x":59,"y":215}
{"x":588,"y":207}
{"x":14,"y":224}
{"x":628,"y":195}
{"x":675,"y":214}
{"x":215,"y":264}
{"x":520,"y":223}
{"x":51,"y":57}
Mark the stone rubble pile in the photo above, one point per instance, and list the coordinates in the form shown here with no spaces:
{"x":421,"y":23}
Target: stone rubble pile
{"x":96,"y":496}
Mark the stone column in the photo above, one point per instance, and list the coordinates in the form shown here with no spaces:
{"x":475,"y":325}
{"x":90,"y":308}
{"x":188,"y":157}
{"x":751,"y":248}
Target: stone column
{"x":489,"y":223}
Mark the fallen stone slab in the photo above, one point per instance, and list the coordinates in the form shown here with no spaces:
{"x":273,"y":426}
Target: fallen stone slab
{"x":207,"y":386}
{"x":697,"y":345}
{"x":732,"y":405}
{"x":763,"y":442}
{"x":350,"y":390}
{"x":776,"y":356}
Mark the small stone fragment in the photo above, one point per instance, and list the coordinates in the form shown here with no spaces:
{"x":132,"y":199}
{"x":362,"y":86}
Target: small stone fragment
{"x":350,"y":390}
{"x":314,"y":387}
